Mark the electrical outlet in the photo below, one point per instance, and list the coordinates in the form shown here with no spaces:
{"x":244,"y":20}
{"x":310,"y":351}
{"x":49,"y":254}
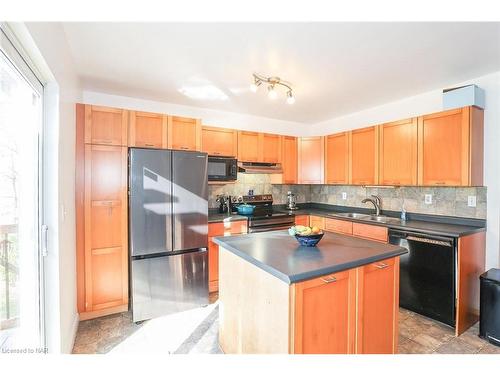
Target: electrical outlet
{"x":471,"y":201}
{"x":344,"y":195}
{"x":428,"y":199}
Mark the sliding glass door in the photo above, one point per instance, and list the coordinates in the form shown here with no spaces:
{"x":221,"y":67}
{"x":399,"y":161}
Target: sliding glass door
{"x":21,"y":270}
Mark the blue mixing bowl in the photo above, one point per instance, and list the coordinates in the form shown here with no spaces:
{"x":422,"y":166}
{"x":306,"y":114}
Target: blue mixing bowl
{"x":309,"y":241}
{"x":245,"y":209}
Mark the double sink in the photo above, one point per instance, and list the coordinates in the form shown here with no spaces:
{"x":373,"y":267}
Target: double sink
{"x":376,"y":218}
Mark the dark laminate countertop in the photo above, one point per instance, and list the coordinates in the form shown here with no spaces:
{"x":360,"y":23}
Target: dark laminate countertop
{"x":438,"y":226}
{"x":280,"y":254}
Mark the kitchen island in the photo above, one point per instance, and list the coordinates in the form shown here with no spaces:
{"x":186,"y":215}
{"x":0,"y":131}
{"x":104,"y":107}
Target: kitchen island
{"x":276,"y":296}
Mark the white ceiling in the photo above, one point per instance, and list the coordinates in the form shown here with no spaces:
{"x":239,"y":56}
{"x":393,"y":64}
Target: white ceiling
{"x":335,"y":68}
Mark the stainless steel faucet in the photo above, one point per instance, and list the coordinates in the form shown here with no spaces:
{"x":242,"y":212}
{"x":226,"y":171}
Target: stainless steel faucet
{"x":376,"y":201}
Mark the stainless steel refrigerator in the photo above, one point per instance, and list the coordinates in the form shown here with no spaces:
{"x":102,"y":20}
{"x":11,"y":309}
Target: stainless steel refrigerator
{"x":168,"y":214}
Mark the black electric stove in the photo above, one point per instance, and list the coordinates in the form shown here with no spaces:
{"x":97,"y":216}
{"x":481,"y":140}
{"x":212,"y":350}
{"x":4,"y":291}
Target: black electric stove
{"x":264,"y":217}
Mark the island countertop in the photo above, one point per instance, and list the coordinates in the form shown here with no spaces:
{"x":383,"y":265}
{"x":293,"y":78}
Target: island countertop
{"x":280,"y":254}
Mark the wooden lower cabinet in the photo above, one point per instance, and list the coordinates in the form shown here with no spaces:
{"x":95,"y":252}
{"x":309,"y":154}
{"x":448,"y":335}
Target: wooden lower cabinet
{"x":302,"y":220}
{"x":354,"y":311}
{"x":378,"y":306}
{"x":347,"y":312}
{"x":216,"y":230}
{"x":325,"y":314}
{"x":317,"y":221}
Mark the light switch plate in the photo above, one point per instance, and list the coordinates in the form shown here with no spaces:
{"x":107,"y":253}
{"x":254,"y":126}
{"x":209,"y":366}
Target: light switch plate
{"x":344,"y":195}
{"x":471,"y":201}
{"x":428,"y":199}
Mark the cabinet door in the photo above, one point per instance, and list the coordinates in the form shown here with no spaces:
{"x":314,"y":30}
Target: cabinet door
{"x":213,"y":266}
{"x":289,"y":160}
{"x":337,"y":158}
{"x":377,"y":316}
{"x":363,"y":161}
{"x":311,"y":160}
{"x":148,"y":130}
{"x":398,"y":153}
{"x":302,"y":220}
{"x":105,"y":126}
{"x":271,"y":148}
{"x":325,"y":314}
{"x":184,"y":133}
{"x":249,"y":146}
{"x":219,"y":141}
{"x":443,"y":148}
{"x":317,"y":221}
{"x":106,"y":238}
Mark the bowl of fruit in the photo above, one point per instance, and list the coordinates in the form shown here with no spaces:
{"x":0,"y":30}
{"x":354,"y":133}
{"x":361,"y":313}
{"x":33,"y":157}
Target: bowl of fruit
{"x":306,"y":236}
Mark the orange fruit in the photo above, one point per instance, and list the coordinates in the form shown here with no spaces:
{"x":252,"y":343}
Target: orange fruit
{"x":315,"y":230}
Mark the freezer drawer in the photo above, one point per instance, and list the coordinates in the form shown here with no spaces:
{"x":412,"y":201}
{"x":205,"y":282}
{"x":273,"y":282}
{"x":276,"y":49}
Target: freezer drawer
{"x":168,"y":284}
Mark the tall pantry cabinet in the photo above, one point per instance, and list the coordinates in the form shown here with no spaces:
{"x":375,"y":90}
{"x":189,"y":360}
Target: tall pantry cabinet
{"x":101,"y":210}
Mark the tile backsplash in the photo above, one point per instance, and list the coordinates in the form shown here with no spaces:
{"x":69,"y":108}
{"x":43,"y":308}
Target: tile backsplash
{"x":449,"y":201}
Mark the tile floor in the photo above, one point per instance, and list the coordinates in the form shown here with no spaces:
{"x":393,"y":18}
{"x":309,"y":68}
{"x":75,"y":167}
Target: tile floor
{"x":196,"y":331}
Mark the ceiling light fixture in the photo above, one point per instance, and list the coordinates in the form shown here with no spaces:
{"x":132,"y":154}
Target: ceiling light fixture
{"x":272,"y":82}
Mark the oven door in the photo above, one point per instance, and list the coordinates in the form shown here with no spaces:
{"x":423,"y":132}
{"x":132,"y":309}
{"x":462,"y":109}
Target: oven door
{"x":222,"y":169}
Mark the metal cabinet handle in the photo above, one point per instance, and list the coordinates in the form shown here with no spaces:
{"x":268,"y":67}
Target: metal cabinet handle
{"x":184,"y":148}
{"x":330,"y":279}
{"x":149,"y":144}
{"x":440,"y":182}
{"x":381,"y":265}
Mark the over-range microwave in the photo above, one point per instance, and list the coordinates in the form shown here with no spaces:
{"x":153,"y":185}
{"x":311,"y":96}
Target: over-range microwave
{"x":222,"y":168}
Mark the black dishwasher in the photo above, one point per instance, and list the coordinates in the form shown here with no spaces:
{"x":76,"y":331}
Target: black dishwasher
{"x":427,"y":274}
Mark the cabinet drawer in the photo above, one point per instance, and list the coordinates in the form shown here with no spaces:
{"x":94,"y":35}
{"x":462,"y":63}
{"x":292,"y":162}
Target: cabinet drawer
{"x":339,"y":226}
{"x":372,"y":232}
{"x":226,"y":229}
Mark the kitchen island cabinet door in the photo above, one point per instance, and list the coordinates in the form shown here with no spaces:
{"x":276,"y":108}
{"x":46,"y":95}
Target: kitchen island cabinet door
{"x":311,"y":160}
{"x":184,"y":133}
{"x":219,"y":141}
{"x":337,"y":158}
{"x":398,"y":153}
{"x":363,"y":160}
{"x":148,"y":130}
{"x":378,"y":305}
{"x":249,"y":146}
{"x":302,"y":220}
{"x":325,"y":314}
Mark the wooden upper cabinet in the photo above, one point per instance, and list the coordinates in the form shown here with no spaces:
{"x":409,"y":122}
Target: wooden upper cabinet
{"x":249,"y":146}
{"x":377,"y":318}
{"x":219,"y":141}
{"x":337,"y":158}
{"x":106,"y":237}
{"x":311,"y":160}
{"x":105,"y":125}
{"x":289,"y":160}
{"x":363,"y":160}
{"x":271,"y":148}
{"x":325,"y":314}
{"x":398,"y":153}
{"x":147,"y":130}
{"x":450,"y":147}
{"x":184,"y":133}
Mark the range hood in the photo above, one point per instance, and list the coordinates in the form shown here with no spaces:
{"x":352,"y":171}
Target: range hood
{"x":251,"y":167}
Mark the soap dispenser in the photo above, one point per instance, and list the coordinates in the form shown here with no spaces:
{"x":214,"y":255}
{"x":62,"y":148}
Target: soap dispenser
{"x":403,"y":213}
